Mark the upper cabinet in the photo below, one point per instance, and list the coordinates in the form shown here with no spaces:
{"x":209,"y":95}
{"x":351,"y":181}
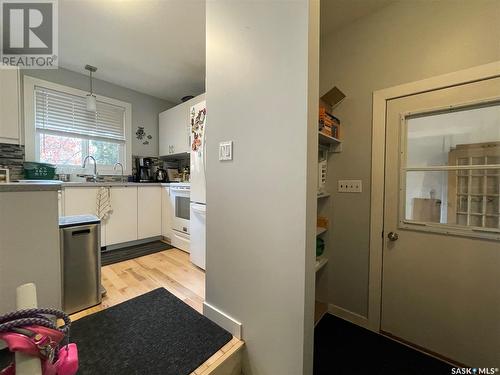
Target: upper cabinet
{"x":174,"y":131}
{"x":10,"y":130}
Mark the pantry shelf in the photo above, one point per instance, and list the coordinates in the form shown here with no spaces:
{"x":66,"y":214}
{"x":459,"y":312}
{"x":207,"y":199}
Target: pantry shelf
{"x":320,"y":231}
{"x":331,"y":143}
{"x":321,"y":261}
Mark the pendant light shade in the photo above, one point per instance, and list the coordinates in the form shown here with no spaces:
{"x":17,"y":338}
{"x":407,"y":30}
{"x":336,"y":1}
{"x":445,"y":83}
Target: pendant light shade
{"x":91,"y":103}
{"x":91,"y":98}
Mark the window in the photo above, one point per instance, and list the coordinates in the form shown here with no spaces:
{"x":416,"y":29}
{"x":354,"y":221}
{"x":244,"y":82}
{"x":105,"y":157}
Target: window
{"x":451,"y":168}
{"x":60,"y":131}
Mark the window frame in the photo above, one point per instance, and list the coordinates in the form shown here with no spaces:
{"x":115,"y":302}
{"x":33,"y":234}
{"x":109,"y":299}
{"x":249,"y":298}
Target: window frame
{"x":446,"y":229}
{"x":31,"y":139}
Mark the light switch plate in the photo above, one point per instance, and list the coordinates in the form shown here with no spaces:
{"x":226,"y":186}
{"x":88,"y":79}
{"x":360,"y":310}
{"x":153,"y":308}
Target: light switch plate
{"x":350,"y":186}
{"x":226,"y":150}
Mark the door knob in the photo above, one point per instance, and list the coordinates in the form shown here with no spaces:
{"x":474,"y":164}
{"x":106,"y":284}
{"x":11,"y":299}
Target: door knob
{"x":393,"y":236}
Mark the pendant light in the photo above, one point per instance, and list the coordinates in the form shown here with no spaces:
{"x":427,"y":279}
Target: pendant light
{"x":91,"y":99}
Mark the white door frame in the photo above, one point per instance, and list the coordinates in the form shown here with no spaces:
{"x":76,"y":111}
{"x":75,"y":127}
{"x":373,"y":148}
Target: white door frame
{"x":380,"y":99}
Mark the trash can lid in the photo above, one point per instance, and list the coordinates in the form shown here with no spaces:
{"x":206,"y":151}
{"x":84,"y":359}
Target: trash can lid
{"x":75,"y":220}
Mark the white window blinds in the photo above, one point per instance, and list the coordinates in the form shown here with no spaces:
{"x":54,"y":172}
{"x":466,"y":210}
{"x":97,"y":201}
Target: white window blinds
{"x":61,"y":112}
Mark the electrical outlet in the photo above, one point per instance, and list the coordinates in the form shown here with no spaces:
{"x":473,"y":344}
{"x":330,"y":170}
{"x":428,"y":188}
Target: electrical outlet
{"x":350,"y":186}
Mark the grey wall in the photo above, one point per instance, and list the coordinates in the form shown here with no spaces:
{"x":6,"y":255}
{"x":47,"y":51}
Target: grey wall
{"x":261,"y":214}
{"x":145,"y":108}
{"x":407,"y":41}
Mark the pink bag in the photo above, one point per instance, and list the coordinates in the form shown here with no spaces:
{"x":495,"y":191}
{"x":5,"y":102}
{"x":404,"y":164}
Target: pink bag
{"x":33,"y":333}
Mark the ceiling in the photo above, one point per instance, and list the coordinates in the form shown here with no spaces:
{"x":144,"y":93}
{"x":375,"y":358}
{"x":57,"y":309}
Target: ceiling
{"x":336,"y":14}
{"x":155,"y":47}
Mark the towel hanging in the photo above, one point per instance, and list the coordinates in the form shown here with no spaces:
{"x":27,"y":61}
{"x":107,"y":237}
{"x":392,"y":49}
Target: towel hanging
{"x":103,"y":203}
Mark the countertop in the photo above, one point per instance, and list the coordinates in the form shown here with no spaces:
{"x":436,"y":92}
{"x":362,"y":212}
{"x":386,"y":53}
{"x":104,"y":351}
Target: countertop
{"x":30,"y":186}
{"x":111,"y":184}
{"x":57,"y":185}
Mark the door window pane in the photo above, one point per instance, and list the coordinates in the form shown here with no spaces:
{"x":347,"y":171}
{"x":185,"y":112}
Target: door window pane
{"x":445,"y":167}
{"x":447,"y":197}
{"x":426,"y":197}
{"x":431,"y":137}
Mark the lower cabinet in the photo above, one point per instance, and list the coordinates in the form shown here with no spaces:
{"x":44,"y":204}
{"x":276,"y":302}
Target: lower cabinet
{"x":81,"y":201}
{"x":136,"y":211}
{"x":149,"y":211}
{"x":166,"y":213}
{"x":121,"y":225}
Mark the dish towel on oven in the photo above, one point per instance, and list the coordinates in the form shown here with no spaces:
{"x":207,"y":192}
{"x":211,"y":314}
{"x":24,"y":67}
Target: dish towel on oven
{"x":103,"y":203}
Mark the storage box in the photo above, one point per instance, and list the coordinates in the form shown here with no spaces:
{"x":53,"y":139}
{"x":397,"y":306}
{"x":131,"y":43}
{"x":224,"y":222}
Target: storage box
{"x":322,"y":222}
{"x":39,"y":171}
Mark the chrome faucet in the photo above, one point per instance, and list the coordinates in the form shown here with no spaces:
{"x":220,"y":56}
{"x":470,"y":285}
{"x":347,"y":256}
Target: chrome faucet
{"x":94,"y":177}
{"x":121,"y":165}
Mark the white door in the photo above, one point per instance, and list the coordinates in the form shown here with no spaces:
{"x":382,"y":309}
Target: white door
{"x":82,"y":201}
{"x":122,"y":223}
{"x":198,"y":234}
{"x":148,"y":211}
{"x":441,"y":260}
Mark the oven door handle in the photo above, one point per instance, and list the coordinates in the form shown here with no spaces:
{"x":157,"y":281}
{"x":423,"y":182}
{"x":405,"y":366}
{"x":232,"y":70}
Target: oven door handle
{"x":199,"y":208}
{"x":180,"y":190}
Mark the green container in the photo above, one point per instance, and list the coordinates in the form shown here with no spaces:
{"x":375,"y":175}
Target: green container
{"x":39,"y":171}
{"x":320,"y":246}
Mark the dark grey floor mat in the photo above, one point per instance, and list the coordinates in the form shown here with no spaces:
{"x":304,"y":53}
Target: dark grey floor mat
{"x":155,"y":333}
{"x":131,"y":252}
{"x":342,"y":348}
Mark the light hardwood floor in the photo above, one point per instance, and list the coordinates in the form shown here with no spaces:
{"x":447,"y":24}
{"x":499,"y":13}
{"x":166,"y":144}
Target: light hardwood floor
{"x":172,"y":270}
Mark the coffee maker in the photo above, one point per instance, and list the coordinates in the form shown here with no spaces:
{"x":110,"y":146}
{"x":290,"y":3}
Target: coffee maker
{"x":144,"y":170}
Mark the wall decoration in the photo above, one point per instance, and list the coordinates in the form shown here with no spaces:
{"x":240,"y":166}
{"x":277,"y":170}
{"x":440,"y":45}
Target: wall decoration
{"x":198,"y":117}
{"x":141,"y":135}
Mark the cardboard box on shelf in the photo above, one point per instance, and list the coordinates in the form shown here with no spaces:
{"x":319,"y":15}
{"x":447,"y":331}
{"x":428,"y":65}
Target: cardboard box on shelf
{"x":322,"y":222}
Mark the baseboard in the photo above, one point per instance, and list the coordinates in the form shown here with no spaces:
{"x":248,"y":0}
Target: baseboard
{"x":133,"y":243}
{"x":350,"y":316}
{"x":222,"y":319}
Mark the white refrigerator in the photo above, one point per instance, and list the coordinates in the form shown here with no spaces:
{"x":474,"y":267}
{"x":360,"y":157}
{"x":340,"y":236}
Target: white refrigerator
{"x":198,"y":210}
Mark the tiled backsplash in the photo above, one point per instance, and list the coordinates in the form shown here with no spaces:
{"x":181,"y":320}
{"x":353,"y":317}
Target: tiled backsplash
{"x":12,"y":157}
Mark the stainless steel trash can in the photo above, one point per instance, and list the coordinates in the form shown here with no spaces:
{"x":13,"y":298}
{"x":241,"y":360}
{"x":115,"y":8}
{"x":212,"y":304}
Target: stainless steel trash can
{"x":80,"y":262}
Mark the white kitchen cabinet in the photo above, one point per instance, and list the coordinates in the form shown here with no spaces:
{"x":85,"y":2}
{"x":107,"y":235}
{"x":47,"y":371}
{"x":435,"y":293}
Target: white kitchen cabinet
{"x":175,"y":129}
{"x":9,"y":106}
{"x":149,"y":211}
{"x":166,"y":213}
{"x":82,"y":201}
{"x":121,"y":225}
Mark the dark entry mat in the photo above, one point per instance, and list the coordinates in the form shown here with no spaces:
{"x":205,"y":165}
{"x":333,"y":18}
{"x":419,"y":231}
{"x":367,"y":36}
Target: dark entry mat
{"x":155,"y":333}
{"x":125,"y":253}
{"x":342,"y":348}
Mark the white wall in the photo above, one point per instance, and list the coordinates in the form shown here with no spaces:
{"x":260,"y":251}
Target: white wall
{"x":261,"y":206}
{"x":407,"y":41}
{"x":145,"y":108}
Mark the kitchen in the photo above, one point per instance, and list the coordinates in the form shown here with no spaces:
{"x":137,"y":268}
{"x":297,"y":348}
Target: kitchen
{"x":323,"y":221}
{"x":139,"y":168}
{"x":159,"y":201}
